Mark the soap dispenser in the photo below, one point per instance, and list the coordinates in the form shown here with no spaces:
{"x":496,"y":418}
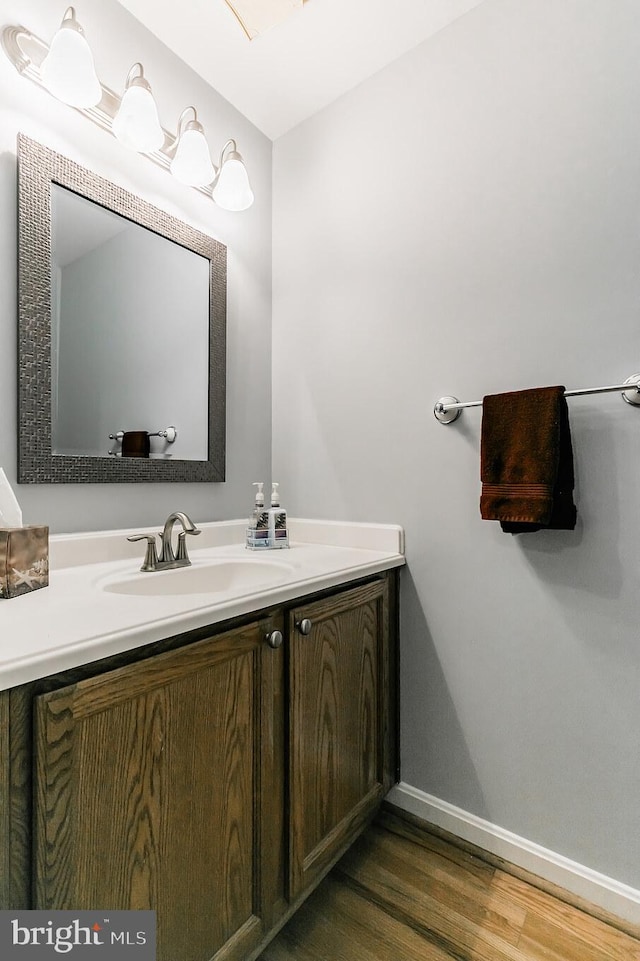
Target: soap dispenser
{"x":278,"y":533}
{"x":258,"y":529}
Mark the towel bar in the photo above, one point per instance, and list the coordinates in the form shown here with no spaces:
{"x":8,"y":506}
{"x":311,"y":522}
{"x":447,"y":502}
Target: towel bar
{"x":169,"y":434}
{"x":449,"y":408}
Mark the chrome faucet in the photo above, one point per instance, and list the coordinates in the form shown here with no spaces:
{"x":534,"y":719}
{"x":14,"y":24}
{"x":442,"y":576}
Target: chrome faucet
{"x":167,"y":559}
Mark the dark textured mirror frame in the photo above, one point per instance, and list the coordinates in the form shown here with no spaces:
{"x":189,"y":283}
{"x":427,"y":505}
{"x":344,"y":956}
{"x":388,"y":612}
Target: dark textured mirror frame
{"x":38,"y":168}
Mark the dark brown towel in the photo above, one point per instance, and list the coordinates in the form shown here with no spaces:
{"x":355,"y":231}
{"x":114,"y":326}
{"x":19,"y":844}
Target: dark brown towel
{"x":136,"y":443}
{"x":526,"y":461}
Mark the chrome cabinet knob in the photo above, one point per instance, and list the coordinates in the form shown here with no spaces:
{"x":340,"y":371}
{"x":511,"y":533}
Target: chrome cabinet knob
{"x":274,"y":639}
{"x":304,"y":626}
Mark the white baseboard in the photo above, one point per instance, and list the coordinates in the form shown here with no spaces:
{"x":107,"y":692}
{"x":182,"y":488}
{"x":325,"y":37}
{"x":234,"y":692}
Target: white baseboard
{"x":617,"y":898}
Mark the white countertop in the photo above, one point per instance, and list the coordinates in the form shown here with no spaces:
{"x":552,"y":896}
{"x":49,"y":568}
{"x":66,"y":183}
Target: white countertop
{"x":75,"y":620}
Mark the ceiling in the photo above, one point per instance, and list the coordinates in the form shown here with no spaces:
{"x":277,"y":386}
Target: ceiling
{"x":285,"y":75}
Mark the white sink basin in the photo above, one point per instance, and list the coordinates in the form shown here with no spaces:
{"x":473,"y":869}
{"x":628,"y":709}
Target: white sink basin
{"x":224,"y":576}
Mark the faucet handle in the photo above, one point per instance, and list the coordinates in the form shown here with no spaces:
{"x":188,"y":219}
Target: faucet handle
{"x":150,"y":562}
{"x":182,"y":544}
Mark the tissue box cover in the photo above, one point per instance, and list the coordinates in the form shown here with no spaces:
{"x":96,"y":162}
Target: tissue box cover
{"x":24,"y":559}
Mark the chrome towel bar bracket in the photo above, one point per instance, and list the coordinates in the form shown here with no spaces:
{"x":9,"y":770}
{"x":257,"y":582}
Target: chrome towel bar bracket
{"x":449,"y":408}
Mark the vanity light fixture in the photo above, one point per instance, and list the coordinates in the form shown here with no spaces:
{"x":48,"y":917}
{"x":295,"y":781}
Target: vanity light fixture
{"x":66,"y":70}
{"x":136,"y":123}
{"x":231,"y":188}
{"x":191,"y":164}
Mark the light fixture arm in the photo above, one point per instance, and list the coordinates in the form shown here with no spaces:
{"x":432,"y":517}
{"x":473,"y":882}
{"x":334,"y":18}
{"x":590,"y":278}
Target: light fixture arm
{"x":184,"y":124}
{"x":138,"y":79}
{"x":182,"y":120}
{"x":230,"y":143}
{"x":69,"y":20}
{"x":229,"y":147}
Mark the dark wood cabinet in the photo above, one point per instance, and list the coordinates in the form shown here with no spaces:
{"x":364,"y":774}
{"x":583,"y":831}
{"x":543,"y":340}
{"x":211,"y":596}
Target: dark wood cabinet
{"x":213,"y":778}
{"x":339,"y":708}
{"x":148,"y":793}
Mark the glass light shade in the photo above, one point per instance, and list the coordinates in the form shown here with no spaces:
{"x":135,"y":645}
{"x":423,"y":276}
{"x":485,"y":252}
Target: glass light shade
{"x":136,"y":124}
{"x":191,"y":164}
{"x":67,"y":71}
{"x":232,"y":190}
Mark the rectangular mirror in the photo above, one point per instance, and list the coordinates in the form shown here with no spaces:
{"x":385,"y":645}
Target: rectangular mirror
{"x":122,"y":333}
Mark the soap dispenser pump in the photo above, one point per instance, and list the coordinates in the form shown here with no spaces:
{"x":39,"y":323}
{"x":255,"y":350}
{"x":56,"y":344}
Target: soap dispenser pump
{"x":278,"y":533}
{"x":258,"y":529}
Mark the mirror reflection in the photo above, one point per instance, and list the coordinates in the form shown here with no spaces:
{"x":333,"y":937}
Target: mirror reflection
{"x":121,"y":334}
{"x":116,"y":368}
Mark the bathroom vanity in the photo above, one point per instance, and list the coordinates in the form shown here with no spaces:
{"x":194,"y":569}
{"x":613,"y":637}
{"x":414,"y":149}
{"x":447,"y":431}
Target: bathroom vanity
{"x":211,"y":763}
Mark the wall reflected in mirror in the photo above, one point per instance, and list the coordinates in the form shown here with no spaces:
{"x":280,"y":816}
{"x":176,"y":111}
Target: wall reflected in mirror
{"x":116,"y":366}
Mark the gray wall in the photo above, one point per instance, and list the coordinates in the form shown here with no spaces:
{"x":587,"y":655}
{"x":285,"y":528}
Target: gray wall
{"x":112,"y":356}
{"x":466,"y":222}
{"x":118,"y":40}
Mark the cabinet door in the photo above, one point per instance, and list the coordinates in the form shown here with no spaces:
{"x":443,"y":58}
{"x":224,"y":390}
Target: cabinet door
{"x":152,"y":789}
{"x":339,"y":725}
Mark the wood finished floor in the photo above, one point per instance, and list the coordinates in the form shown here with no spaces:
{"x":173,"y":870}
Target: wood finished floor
{"x":402,"y":894}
